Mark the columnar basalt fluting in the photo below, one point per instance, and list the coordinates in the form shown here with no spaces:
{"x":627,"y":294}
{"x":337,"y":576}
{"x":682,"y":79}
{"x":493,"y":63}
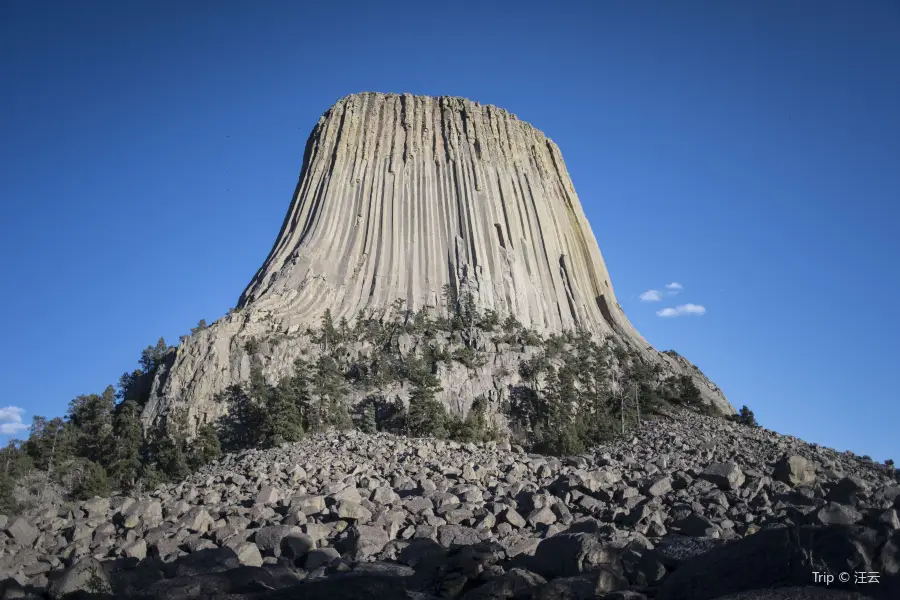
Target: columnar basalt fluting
{"x":399,"y":196}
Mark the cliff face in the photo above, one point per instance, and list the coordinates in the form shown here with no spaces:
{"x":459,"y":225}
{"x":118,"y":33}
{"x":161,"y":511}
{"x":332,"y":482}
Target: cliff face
{"x":398,"y":196}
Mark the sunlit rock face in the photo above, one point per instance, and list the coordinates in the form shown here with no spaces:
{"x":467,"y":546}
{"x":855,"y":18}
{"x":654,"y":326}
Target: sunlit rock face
{"x":398,"y":196}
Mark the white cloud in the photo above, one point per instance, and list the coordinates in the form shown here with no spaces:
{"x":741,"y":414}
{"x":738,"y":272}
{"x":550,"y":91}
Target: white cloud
{"x":674,"y":286}
{"x":11,"y":420}
{"x":651,"y":296}
{"x":683,"y":310}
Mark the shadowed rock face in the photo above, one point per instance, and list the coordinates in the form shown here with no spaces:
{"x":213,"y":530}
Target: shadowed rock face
{"x":400,"y":195}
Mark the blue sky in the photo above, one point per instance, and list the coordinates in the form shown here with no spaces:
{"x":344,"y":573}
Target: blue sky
{"x":749,"y":151}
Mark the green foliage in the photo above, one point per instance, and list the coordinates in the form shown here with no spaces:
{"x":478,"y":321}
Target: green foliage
{"x":689,"y":393}
{"x":467,"y":357}
{"x":8,"y":504}
{"x":201,"y":325}
{"x":511,"y":324}
{"x":91,"y":417}
{"x":92,"y":482}
{"x":206,"y":448}
{"x":745,"y":417}
{"x":125,"y":459}
{"x":243,"y":421}
{"x":152,"y":357}
{"x":426,"y":416}
{"x":489,"y":321}
{"x":368,"y":422}
{"x":475,"y":427}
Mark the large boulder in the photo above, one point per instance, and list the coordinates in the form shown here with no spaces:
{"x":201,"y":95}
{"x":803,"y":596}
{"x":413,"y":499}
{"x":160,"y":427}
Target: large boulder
{"x":87,"y":576}
{"x":22,"y":531}
{"x":567,"y":554}
{"x":781,"y":557}
{"x":727,"y":475}
{"x":795,"y":470}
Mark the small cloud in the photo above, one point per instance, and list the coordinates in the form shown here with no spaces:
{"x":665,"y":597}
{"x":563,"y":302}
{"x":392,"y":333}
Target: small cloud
{"x":651,"y":296}
{"x":675,"y":286}
{"x":684,"y":310}
{"x":11,"y":420}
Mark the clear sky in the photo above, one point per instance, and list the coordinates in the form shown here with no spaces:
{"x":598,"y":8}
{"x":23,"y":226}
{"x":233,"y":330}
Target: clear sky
{"x":749,"y":151}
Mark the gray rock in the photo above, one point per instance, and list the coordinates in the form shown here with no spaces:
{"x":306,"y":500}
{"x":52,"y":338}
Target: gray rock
{"x":197,"y":520}
{"x":321,"y":557}
{"x":368,"y":540}
{"x":268,"y":495}
{"x":248,"y":554}
{"x":269,"y":539}
{"x":21,"y":531}
{"x":838,"y":514}
{"x":514,"y":584}
{"x":86,"y":575}
{"x":347,"y":509}
{"x":658,"y":486}
{"x":457,"y":535}
{"x":728,"y":476}
{"x":569,"y":554}
{"x":795,"y":470}
{"x":136,"y":549}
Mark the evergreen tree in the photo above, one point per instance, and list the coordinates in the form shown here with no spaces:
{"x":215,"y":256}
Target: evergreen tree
{"x":745,"y":417}
{"x":329,"y":332}
{"x":8,"y":503}
{"x":125,"y":465}
{"x":91,"y":417}
{"x":690,"y":394}
{"x":92,"y":482}
{"x":283,"y":422}
{"x":426,"y":416}
{"x":368,"y":422}
{"x":475,"y":427}
{"x":328,"y":389}
{"x":152,"y":356}
{"x":206,"y":447}
{"x":243,"y":420}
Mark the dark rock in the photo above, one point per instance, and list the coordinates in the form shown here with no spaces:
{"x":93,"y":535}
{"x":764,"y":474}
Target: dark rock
{"x":727,"y":476}
{"x":21,"y":531}
{"x":796,"y":593}
{"x":775,"y":557}
{"x":86,"y":575}
{"x":795,"y":470}
{"x":515,"y":584}
{"x":268,"y":539}
{"x":838,"y":514}
{"x":675,"y":549}
{"x":203,"y":562}
{"x":569,"y":554}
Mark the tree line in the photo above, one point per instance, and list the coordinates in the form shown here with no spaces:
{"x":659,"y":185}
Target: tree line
{"x":575,"y":391}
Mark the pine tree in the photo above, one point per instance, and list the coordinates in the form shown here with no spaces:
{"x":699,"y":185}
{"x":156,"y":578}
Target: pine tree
{"x":329,"y":333}
{"x":426,"y":416}
{"x":283,"y":422}
{"x":206,"y":447}
{"x":368,"y":423}
{"x":242,"y":421}
{"x":93,"y":482}
{"x":152,"y":356}
{"x":328,"y":390}
{"x":745,"y":417}
{"x":126,"y":453}
{"x":91,"y":417}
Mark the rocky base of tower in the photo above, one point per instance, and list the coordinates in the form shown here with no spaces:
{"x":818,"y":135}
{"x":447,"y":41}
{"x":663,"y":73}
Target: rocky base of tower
{"x":690,"y":507}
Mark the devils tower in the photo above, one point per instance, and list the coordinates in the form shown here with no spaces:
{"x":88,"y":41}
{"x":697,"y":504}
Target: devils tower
{"x":404,"y":197}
